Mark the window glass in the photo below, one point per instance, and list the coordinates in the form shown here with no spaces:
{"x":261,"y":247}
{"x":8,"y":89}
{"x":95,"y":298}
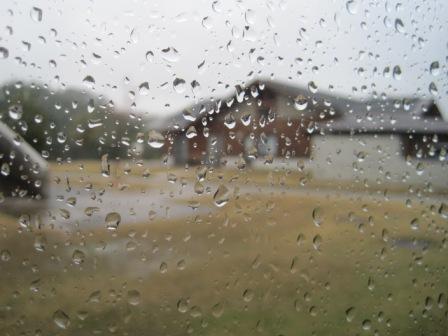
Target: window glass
{"x":217,"y":167}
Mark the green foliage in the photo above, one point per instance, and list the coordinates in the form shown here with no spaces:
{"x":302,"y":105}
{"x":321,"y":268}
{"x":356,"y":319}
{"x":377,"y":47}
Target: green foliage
{"x":69,"y":123}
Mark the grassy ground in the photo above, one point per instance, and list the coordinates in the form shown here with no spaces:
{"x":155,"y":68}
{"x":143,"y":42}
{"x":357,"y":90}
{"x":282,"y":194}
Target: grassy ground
{"x":259,"y":265}
{"x":129,"y":176}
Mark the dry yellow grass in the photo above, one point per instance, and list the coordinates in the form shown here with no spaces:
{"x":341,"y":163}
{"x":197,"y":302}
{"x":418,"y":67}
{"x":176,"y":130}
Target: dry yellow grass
{"x":259,"y":265}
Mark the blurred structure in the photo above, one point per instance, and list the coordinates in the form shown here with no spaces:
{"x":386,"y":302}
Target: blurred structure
{"x":24,"y":173}
{"x":270,"y":119}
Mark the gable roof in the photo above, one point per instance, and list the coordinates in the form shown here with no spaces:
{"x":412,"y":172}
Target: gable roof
{"x":379,"y":115}
{"x":400,"y":115}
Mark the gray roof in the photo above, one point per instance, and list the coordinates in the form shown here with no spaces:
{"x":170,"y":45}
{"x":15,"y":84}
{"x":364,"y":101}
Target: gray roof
{"x":388,"y":116}
{"x":380,"y":115}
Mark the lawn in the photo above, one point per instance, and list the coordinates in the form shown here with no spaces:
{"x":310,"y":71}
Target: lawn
{"x":271,"y":263}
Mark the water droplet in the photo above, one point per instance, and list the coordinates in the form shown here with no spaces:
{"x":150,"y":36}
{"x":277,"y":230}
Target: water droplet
{"x":94,"y":297}
{"x":217,"y":310}
{"x":134,"y":297}
{"x":352,"y":7}
{"x":415,"y":224}
{"x":113,"y":219}
{"x":434,"y":68}
{"x":38,"y":118}
{"x":78,"y":257}
{"x":191,"y":132}
{"x":170,"y":54}
{"x":420,"y":168}
{"x":201,"y":173}
{"x":4,"y":53}
{"x":361,"y":156}
{"x":443,"y":210}
{"x":317,"y":242}
{"x":34,"y":286}
{"x":89,"y":211}
{"x":366,"y":324}
{"x":40,"y":242}
{"x":143,"y":88}
{"x":24,"y":221}
{"x":433,"y":89}
{"x":199,"y":188}
{"x":399,"y":26}
{"x":36,"y":14}
{"x":155,"y":139}
{"x":229,"y":121}
{"x":396,"y":72}
{"x":300,"y":103}
{"x":182,"y":306}
{"x":245,"y":119}
{"x":207,"y":22}
{"x":15,"y":112}
{"x":105,"y":166}
{"x":163,"y":267}
{"x":89,"y":81}
{"x":317,"y":216}
{"x":248,"y":295}
{"x":64,"y":213}
{"x":195,"y":87}
{"x":221,"y":196}
{"x":350,"y":314}
{"x":179,"y":85}
{"x":61,"y":319}
{"x":5,"y":170}
{"x":149,"y":56}
{"x":5,"y":255}
{"x":188,"y":116}
{"x":312,"y":87}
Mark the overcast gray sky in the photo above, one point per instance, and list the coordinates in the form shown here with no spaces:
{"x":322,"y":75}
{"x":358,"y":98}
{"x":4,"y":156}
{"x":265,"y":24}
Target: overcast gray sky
{"x":223,"y":43}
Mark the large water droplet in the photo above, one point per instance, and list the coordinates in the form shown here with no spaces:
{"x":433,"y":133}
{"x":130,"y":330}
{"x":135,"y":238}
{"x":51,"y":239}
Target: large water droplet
{"x":134,"y":297}
{"x":78,"y":257}
{"x":170,"y":54}
{"x":5,"y":255}
{"x":443,"y":210}
{"x":15,"y":112}
{"x":396,"y":73}
{"x":300,"y":103}
{"x":317,"y":216}
{"x":89,"y":81}
{"x":5,"y":170}
{"x":61,"y":319}
{"x":113,"y":219}
{"x":155,"y":139}
{"x":36,"y":14}
{"x":352,"y":7}
{"x":350,"y":314}
{"x":191,"y":132}
{"x":312,"y":87}
{"x":415,"y":224}
{"x":221,"y":196}
{"x":217,"y":310}
{"x":179,"y":85}
{"x":433,"y":89}
{"x":40,"y":242}
{"x":434,"y":68}
{"x":399,"y":26}
{"x":182,"y":306}
{"x":143,"y":89}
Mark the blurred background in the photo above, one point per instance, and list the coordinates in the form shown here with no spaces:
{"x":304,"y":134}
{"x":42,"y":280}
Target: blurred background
{"x":219,"y":168}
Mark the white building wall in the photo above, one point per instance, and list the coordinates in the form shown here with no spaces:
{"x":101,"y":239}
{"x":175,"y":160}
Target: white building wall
{"x":374,"y":158}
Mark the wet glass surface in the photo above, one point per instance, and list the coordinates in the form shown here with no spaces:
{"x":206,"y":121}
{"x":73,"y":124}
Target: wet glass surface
{"x":223,"y":168}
